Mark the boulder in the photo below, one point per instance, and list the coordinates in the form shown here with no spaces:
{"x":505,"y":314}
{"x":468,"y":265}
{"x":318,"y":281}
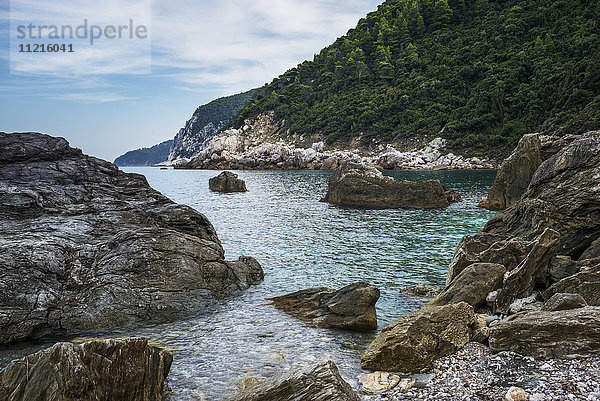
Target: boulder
{"x":227,"y":182}
{"x":487,"y":248}
{"x":562,"y":195}
{"x":352,"y":307}
{"x":520,"y":282}
{"x":592,"y":252}
{"x":120,"y":369}
{"x":561,"y":301}
{"x":549,"y":334}
{"x":416,"y":340}
{"x":377,"y":382}
{"x":585,"y":283}
{"x":359,"y":185}
{"x":421,"y":290}
{"x":514,"y":174}
{"x":87,"y":247}
{"x":472,"y":285}
{"x":319,"y":383}
{"x":561,"y":267}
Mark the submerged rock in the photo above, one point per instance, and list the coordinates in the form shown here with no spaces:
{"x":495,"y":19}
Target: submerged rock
{"x":416,"y":340}
{"x":514,"y":174}
{"x":227,"y":182}
{"x":421,"y":290}
{"x":359,"y":185}
{"x":549,"y":334}
{"x":87,"y":247}
{"x":352,"y":307}
{"x":318,"y":383}
{"x":122,"y":369}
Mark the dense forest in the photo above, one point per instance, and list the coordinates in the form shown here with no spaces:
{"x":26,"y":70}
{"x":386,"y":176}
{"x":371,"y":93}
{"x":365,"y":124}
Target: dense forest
{"x":146,"y":156}
{"x":481,"y":72}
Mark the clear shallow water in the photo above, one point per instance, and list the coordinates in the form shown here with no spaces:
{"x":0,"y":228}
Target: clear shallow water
{"x":302,"y":243}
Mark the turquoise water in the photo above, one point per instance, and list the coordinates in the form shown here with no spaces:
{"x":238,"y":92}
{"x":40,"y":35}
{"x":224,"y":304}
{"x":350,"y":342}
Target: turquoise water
{"x":301,"y":243}
{"x":304,"y":243}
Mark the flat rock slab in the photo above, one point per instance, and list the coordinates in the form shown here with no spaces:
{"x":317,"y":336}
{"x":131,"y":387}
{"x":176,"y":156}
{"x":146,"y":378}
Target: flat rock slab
{"x":318,"y":383}
{"x":416,"y":340}
{"x":549,"y":334}
{"x":86,"y":247}
{"x":99,"y":370}
{"x":352,"y":307}
{"x":359,"y":185}
{"x":227,"y":182}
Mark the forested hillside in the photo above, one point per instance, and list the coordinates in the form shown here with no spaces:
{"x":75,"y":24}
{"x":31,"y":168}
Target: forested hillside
{"x":483,"y":72}
{"x":145,"y":156}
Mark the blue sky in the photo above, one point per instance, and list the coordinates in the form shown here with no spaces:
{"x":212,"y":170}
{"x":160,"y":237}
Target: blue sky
{"x":200,"y":50}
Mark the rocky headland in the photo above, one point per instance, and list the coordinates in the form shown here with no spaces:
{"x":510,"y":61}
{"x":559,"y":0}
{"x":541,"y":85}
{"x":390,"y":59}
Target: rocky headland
{"x":258,"y":146}
{"x":87,"y":247}
{"x":359,"y":185}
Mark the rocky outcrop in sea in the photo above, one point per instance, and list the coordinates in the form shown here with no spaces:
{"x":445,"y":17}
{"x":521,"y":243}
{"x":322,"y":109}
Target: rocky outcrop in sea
{"x":359,"y":185}
{"x":87,"y":247}
{"x":257,"y":145}
{"x":227,"y":182}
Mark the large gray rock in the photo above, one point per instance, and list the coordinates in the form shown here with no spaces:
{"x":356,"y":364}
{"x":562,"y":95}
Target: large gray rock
{"x":562,"y":195}
{"x":488,"y":248}
{"x":592,"y":252}
{"x":359,"y":185}
{"x":520,"y":282}
{"x":560,"y":301}
{"x":549,"y":334}
{"x":585,"y":283}
{"x":514,"y":174}
{"x":227,"y":182}
{"x":472,"y":285}
{"x":319,"y":383}
{"x":352,"y":307}
{"x":416,"y":340}
{"x":100,"y":370}
{"x":85,"y":246}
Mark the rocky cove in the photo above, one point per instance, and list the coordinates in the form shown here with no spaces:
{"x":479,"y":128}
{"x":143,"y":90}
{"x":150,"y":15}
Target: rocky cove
{"x":304,"y":252}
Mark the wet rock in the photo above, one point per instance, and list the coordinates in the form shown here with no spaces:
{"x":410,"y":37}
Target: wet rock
{"x":421,"y":290}
{"x":359,"y":185}
{"x":227,"y":182}
{"x":352,"y":307}
{"x":514,"y":174}
{"x":519,"y":283}
{"x":87,"y":247}
{"x":472,"y":285}
{"x":561,"y":301}
{"x":416,"y":340}
{"x":549,"y":334}
{"x":487,"y":248}
{"x":319,"y":383}
{"x":120,"y":369}
{"x":559,"y":197}
{"x":561,"y":267}
{"x":585,"y":283}
{"x":377,"y":382}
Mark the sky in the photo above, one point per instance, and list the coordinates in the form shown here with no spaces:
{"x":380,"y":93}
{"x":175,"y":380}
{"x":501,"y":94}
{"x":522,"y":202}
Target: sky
{"x":119,"y":95}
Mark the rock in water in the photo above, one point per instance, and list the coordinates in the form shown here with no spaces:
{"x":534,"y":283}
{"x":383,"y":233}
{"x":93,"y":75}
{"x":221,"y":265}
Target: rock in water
{"x":421,"y":290}
{"x":352,"y":307}
{"x":319,"y":383}
{"x":416,"y":340}
{"x":514,"y":174}
{"x":563,"y":194}
{"x":87,"y":247}
{"x":549,"y":334}
{"x":227,"y":182}
{"x":125,"y":369}
{"x":359,"y":185}
{"x":585,"y":283}
{"x":472,"y":285}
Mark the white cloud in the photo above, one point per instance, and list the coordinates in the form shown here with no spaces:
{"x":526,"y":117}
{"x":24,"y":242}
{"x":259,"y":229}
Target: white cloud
{"x":91,"y":97}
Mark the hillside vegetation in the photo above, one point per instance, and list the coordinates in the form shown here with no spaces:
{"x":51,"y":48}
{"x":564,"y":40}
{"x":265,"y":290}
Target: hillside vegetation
{"x":482,"y":72}
{"x":145,"y":156}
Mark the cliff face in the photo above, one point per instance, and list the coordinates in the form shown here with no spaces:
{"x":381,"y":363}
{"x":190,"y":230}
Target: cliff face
{"x":87,"y":247}
{"x":188,"y":143}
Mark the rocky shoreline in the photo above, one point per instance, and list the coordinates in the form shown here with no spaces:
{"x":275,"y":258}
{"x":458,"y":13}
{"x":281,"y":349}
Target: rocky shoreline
{"x":253,"y":147}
